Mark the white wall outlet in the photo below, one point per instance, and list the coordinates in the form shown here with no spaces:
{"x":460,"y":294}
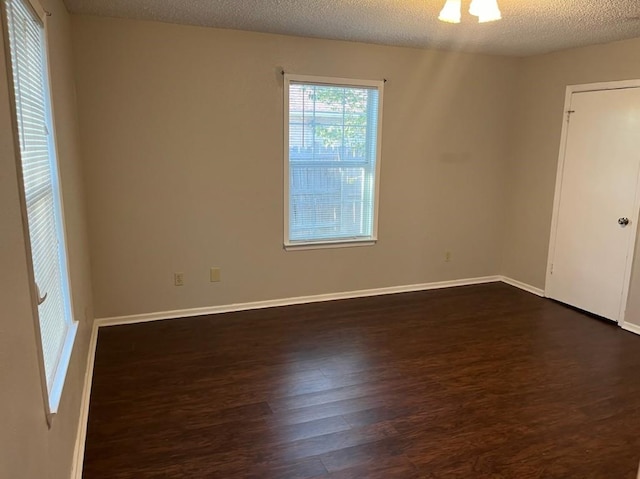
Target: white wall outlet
{"x":178,"y":279}
{"x":214,"y":275}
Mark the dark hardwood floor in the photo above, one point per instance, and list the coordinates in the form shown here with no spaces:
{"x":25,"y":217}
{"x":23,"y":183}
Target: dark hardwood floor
{"x":472,"y":382}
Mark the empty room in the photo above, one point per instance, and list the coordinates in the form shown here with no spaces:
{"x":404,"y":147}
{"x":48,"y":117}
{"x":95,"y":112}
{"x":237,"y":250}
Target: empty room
{"x":290,"y":239}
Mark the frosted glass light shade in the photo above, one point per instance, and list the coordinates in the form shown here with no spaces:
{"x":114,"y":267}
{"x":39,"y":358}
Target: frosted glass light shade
{"x":476,"y":7}
{"x":485,"y":10}
{"x":451,"y":12}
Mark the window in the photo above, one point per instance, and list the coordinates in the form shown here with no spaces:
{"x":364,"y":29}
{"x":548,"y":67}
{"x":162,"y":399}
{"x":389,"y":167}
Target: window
{"x":39,"y":175}
{"x":332,"y":160}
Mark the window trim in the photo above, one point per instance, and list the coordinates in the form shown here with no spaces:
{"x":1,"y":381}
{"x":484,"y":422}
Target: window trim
{"x":343,"y":242}
{"x":51,"y":399}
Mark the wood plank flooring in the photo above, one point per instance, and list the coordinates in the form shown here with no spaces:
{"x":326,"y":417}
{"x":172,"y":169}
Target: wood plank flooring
{"x":472,"y":382}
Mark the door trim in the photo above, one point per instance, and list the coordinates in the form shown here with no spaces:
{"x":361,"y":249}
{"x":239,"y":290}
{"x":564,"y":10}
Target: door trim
{"x":571,"y":89}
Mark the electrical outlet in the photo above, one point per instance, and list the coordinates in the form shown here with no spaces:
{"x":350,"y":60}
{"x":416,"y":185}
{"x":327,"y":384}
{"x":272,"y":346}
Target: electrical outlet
{"x":178,"y":279}
{"x":214,"y":275}
{"x":447,"y":256}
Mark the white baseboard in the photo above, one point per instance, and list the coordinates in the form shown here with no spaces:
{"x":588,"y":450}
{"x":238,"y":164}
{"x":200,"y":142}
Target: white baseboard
{"x":523,"y":286}
{"x":633,"y":328}
{"x":78,"y":454}
{"x":272,"y":303}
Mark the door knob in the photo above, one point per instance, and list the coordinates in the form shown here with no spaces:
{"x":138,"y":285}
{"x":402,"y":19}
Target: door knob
{"x":623,"y":221}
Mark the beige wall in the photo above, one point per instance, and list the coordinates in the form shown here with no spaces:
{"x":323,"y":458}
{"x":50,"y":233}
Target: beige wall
{"x":531,"y":176}
{"x":28,"y":449}
{"x":181,"y":130}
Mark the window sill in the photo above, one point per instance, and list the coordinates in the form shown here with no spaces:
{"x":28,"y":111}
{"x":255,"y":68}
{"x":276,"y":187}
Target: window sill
{"x":329,"y":244}
{"x":55,"y":394}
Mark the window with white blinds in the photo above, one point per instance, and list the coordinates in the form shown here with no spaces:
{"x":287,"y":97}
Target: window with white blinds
{"x":332,"y":160}
{"x":25,"y":22}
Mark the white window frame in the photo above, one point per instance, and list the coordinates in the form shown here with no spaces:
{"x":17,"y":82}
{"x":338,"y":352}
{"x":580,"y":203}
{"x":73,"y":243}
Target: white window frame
{"x":331,"y":81}
{"x":52,"y":396}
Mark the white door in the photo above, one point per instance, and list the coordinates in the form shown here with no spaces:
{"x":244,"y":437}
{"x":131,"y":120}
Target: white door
{"x":596,"y":209}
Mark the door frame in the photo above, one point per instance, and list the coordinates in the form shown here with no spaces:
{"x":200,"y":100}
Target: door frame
{"x":570,"y":90}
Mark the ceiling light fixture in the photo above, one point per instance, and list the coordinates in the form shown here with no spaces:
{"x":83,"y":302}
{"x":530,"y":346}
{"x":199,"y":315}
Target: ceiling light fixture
{"x":485,"y":10}
{"x":451,"y":12}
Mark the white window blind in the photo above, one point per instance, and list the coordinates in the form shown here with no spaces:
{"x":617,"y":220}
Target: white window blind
{"x":332,"y":160}
{"x":41,"y":192}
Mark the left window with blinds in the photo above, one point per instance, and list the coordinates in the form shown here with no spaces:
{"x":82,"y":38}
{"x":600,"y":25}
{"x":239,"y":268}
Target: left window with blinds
{"x":38,"y":169}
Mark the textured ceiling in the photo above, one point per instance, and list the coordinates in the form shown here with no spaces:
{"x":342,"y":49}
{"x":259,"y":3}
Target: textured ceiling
{"x":528,"y":26}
